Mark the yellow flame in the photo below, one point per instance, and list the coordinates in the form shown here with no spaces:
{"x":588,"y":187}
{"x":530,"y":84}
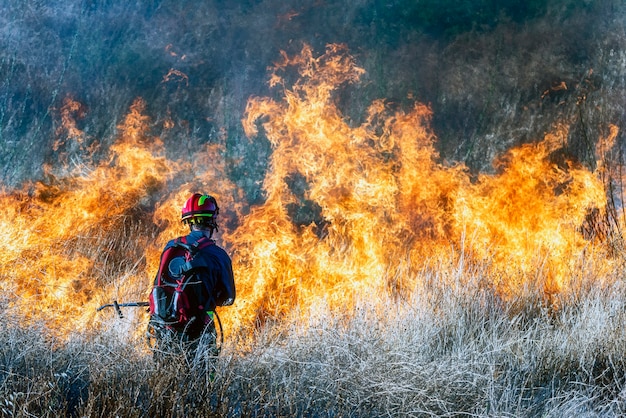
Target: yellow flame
{"x":59,"y":237}
{"x":349,"y":208}
{"x":382,"y":201}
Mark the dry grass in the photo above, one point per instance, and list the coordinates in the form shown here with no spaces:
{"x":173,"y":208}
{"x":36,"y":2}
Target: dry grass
{"x":453,"y":350}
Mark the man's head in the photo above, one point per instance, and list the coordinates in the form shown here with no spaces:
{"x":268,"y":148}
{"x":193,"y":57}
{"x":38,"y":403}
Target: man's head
{"x":200,"y":213}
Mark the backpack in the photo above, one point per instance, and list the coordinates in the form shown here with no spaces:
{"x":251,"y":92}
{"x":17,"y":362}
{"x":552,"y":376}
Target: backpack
{"x":182,"y":292}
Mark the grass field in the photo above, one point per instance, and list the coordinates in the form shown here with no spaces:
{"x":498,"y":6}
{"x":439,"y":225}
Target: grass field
{"x":447,"y":350}
{"x":380,"y":271}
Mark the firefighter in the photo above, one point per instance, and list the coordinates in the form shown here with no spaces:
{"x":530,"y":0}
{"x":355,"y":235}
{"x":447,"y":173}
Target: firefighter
{"x":195,"y":276}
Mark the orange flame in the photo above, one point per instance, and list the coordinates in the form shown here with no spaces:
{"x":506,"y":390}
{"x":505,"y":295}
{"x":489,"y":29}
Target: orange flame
{"x":530,"y":214}
{"x":380,"y":205}
{"x":350,"y":209}
{"x":60,"y":238}
{"x":70,"y":111}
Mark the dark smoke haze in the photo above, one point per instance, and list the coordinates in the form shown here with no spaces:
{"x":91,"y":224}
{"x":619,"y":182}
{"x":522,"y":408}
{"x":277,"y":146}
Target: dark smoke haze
{"x":496,"y":74}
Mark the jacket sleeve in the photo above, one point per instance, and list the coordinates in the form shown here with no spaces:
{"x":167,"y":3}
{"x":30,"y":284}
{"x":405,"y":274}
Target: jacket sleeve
{"x":227,"y":280}
{"x":222,"y":273}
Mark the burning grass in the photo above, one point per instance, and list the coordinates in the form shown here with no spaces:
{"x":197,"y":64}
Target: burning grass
{"x":372,"y":280}
{"x":450,"y":350}
{"x":348,"y":209}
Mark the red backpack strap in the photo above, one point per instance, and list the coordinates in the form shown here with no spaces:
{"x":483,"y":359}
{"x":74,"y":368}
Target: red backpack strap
{"x":162,"y":265}
{"x":203,"y":243}
{"x":166,"y":256}
{"x":191,"y":251}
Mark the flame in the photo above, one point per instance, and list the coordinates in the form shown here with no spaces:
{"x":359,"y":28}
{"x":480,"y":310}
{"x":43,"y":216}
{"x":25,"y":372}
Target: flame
{"x":70,"y":111}
{"x":530,"y":214}
{"x":176,"y":75}
{"x":351,"y":209}
{"x":380,"y":205}
{"x":60,"y":238}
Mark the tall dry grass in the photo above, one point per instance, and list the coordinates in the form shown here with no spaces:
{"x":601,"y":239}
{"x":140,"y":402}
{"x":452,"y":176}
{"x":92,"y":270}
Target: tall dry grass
{"x":453,"y":348}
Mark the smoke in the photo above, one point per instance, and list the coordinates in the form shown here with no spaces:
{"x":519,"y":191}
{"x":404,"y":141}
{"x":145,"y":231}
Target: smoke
{"x":196,"y":64}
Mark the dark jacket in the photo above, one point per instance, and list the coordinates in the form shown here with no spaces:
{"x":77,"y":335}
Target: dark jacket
{"x":219,"y":267}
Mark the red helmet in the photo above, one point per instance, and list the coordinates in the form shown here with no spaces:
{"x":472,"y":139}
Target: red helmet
{"x":200,"y":208}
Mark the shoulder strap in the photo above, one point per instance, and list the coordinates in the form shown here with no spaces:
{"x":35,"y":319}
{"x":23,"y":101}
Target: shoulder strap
{"x":195,"y":247}
{"x":181,"y":242}
{"x":192,"y":250}
{"x":202,"y":243}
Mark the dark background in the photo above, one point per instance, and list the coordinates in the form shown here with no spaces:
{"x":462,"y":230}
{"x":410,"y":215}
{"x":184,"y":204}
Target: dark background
{"x":493,"y":72}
